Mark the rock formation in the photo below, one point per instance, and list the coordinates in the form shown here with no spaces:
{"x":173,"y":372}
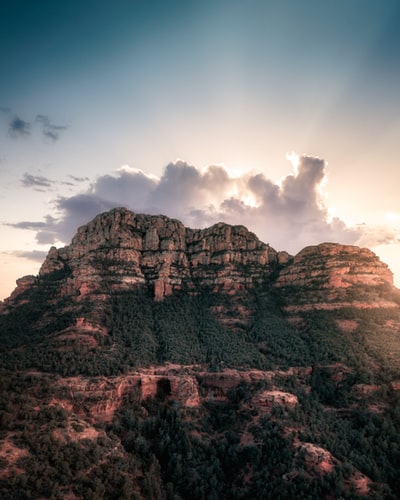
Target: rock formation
{"x":120,"y":250}
{"x":331,"y":276}
{"x":231,"y":364}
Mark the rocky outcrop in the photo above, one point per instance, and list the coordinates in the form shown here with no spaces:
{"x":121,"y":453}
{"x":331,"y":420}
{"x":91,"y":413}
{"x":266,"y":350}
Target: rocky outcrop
{"x":120,"y":249}
{"x":273,"y":398}
{"x":23,"y":284}
{"x":335,"y":266}
{"x":330,"y":276}
{"x":98,"y":398}
{"x":10,"y":456}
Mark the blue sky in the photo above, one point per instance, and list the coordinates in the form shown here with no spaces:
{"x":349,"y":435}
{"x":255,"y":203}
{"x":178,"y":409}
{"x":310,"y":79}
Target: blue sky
{"x":98,"y":100}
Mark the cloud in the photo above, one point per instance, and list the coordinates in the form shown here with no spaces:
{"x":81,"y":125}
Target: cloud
{"x":373,"y":236}
{"x":18,"y":128}
{"x":31,"y":225}
{"x":289,"y":214}
{"x":50,"y":131}
{"x":79,"y":179}
{"x":40,"y":181}
{"x":36,"y":255}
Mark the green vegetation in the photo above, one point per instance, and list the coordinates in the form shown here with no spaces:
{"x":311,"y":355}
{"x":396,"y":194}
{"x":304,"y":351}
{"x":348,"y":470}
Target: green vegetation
{"x":224,"y":449}
{"x":244,"y":331}
{"x":159,"y":450}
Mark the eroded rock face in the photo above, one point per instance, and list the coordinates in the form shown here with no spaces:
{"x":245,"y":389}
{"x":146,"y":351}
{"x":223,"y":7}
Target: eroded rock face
{"x":120,"y":249}
{"x":23,"y":284}
{"x":317,"y":458}
{"x":330,"y":275}
{"x":332,"y":265}
{"x":98,"y":398}
{"x":275,"y":398}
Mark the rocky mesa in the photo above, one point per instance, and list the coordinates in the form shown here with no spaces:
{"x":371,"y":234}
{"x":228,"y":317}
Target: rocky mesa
{"x":119,"y":250}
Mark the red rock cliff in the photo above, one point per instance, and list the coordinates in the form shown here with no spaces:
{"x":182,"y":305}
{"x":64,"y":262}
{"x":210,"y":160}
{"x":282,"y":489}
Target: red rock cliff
{"x":120,"y":249}
{"x":330,"y":275}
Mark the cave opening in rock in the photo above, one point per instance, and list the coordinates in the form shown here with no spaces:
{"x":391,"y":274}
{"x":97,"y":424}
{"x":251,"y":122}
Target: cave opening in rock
{"x":163,"y":388}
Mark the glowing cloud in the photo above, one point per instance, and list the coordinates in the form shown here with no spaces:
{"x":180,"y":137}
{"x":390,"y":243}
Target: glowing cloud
{"x":294,"y":159}
{"x":288,"y":215}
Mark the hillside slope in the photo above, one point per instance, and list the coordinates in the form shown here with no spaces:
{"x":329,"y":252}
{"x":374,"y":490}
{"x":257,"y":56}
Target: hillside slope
{"x":150,"y":360}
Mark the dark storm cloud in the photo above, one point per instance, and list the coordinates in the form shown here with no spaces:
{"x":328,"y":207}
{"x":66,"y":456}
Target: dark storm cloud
{"x":289,"y":215}
{"x":19,"y":128}
{"x":49,"y":130}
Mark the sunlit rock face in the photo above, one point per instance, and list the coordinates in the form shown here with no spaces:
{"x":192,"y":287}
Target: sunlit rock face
{"x":331,"y":265}
{"x":120,"y":249}
{"x":331,"y":275}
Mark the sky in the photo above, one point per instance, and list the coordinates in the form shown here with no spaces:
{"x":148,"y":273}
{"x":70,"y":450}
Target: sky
{"x":282,"y":115}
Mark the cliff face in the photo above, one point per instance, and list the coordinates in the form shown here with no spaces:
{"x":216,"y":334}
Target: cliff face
{"x":120,"y":249}
{"x":330,"y":276}
{"x":97,"y":399}
{"x":334,"y":266}
{"x":256,"y":294}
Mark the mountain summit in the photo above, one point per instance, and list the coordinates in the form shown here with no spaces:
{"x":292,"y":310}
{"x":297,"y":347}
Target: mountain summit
{"x":120,"y":250}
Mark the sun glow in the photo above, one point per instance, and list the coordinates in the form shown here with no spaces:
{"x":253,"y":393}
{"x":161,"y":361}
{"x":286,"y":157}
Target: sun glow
{"x":233,"y":192}
{"x":294,"y":159}
{"x":392,"y":217}
{"x":249,"y":201}
{"x":127,"y":169}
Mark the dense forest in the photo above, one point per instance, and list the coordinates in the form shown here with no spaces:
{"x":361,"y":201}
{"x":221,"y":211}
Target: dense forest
{"x":186,"y":329}
{"x":156,"y":449}
{"x":229,"y":448}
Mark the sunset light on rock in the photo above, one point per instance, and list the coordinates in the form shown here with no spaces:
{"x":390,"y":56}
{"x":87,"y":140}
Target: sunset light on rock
{"x":241,"y":92}
{"x":200,"y":249}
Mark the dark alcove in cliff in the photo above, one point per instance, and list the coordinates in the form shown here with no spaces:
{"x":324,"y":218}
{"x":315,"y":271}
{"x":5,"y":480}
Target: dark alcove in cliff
{"x":163,"y":388}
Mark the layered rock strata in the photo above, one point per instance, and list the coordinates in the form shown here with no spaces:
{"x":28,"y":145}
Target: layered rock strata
{"x":120,"y":250}
{"x":330,"y":276}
